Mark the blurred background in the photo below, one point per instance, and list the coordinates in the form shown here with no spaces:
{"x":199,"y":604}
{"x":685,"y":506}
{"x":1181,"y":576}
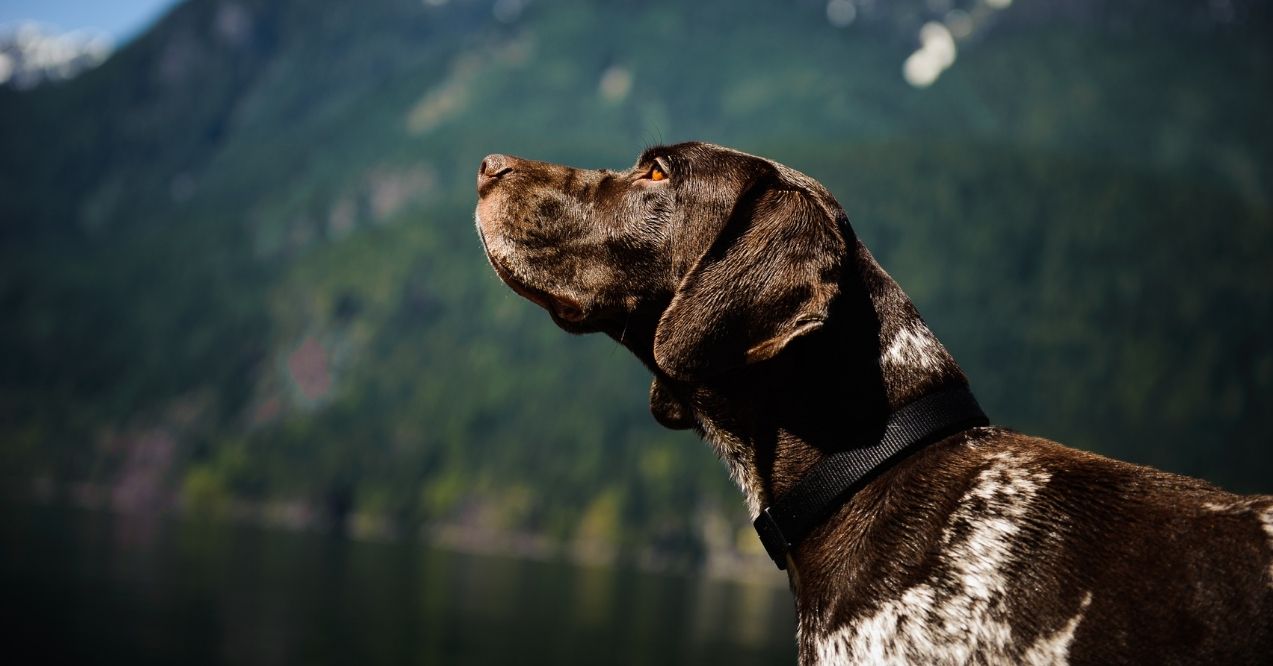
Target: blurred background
{"x":262,"y":401}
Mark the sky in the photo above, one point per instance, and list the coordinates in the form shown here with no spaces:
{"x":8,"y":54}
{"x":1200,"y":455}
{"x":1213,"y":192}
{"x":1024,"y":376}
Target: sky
{"x":121,"y":19}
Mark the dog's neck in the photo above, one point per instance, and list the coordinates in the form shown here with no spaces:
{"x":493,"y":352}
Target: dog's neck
{"x":771,"y":422}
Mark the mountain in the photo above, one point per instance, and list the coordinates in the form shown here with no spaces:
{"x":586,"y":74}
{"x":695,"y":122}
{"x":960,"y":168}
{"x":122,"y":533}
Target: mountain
{"x":32,"y":53}
{"x":239,"y":275}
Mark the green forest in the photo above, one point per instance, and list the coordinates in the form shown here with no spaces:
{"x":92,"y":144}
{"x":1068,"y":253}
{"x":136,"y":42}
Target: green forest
{"x":239,"y":278}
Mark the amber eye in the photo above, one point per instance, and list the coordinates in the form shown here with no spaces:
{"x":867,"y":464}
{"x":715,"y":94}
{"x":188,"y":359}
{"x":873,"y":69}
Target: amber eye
{"x":656,"y":173}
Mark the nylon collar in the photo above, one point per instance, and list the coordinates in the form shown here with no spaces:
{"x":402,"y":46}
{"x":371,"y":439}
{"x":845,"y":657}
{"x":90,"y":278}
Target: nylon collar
{"x":831,"y":482}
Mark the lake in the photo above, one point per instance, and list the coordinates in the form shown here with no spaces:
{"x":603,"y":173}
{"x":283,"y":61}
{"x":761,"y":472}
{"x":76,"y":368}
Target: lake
{"x":84,"y":587}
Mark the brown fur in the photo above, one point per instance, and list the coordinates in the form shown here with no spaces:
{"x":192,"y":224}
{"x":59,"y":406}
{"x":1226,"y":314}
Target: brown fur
{"x":771,"y":330}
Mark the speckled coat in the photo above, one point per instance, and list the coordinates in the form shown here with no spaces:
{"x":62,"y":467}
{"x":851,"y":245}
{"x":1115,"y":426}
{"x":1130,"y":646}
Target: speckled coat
{"x":771,"y":330}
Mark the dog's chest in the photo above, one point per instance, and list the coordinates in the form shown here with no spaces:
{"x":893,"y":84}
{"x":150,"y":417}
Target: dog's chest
{"x":961,"y":610}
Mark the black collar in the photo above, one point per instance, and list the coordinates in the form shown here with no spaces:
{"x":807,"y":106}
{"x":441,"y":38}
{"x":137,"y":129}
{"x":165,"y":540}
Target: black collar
{"x":835,"y":478}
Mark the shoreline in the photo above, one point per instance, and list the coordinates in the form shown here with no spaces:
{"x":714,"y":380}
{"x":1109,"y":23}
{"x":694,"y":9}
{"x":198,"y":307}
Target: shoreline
{"x":297,"y":517}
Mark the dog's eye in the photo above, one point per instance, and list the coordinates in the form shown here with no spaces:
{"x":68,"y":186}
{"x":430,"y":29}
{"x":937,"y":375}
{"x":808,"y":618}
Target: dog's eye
{"x":656,"y":172}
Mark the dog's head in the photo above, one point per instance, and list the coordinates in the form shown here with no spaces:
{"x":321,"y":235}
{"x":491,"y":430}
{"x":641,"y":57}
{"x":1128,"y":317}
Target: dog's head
{"x":723,"y":257}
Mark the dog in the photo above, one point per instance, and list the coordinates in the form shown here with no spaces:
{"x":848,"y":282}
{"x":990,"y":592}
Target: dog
{"x":771,"y":330}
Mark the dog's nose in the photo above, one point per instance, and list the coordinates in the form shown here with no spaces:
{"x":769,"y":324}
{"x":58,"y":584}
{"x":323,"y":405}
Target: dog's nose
{"x":493,"y":167}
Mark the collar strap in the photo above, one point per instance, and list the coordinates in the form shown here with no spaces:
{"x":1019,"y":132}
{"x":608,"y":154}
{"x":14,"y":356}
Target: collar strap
{"x":783,"y":524}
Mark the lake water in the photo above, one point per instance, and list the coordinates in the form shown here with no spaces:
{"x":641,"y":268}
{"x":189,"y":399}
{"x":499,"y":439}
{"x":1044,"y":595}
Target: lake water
{"x":80,"y":587}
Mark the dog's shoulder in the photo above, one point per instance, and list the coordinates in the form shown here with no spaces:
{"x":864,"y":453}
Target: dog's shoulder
{"x":1026,"y":554}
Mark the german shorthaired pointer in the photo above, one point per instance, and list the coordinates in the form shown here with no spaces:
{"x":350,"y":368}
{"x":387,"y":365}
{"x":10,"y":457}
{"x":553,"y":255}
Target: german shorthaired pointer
{"x":771,"y":330}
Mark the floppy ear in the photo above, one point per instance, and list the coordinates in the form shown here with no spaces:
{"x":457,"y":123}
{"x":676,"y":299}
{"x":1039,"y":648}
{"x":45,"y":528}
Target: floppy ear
{"x":768,"y":278}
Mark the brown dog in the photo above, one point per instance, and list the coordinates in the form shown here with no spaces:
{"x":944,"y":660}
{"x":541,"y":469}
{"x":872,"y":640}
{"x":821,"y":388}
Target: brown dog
{"x":771,"y":330}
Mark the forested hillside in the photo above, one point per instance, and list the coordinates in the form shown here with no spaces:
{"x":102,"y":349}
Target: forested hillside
{"x":239,"y":277}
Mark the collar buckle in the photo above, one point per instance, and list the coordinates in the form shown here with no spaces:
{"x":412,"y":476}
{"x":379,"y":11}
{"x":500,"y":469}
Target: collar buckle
{"x":771,"y":536}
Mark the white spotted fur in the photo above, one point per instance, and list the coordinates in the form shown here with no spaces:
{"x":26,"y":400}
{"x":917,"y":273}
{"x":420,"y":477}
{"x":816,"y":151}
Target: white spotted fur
{"x":959,"y":613}
{"x":1261,"y":510}
{"x":1056,"y":648}
{"x":914,"y":347}
{"x":1266,"y":520}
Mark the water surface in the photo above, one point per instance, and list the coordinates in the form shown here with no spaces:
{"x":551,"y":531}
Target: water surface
{"x":81,"y":587}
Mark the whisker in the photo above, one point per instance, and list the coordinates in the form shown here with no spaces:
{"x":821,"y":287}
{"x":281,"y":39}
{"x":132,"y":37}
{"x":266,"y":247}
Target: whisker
{"x":624,"y":332}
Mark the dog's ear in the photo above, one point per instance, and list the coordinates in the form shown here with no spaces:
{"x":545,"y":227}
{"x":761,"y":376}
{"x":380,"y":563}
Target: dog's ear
{"x":668,"y":409}
{"x":768,"y":278}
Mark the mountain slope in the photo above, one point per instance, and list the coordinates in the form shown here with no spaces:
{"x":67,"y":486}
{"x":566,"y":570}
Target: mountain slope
{"x":240,"y":274}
